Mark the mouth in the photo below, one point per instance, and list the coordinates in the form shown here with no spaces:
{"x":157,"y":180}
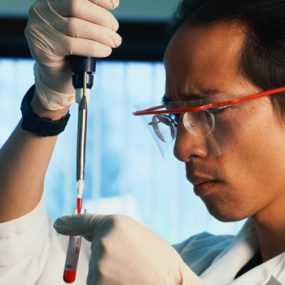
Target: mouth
{"x":200,"y":182}
{"x":203,"y":178}
{"x":198,"y":179}
{"x":203,"y":184}
{"x":206,"y":187}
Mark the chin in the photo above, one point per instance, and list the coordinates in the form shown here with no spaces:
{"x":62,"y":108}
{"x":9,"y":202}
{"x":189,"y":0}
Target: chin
{"x":227,"y":218}
{"x":226,"y":214}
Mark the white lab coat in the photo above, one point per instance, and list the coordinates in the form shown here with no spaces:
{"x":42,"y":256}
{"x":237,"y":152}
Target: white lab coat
{"x":218,"y":259}
{"x":32,"y":253}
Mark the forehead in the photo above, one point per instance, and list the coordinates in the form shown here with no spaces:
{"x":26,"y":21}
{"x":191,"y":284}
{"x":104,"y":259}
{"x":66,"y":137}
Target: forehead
{"x":205,"y":58}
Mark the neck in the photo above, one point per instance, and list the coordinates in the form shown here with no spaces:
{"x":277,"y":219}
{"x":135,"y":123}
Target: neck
{"x":270,"y":230}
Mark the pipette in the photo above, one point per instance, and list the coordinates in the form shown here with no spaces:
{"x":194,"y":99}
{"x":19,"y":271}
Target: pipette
{"x":83,"y":69}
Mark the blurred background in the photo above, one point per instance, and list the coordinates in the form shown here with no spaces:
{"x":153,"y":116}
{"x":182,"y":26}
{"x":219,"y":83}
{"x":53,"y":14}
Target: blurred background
{"x":126,"y":173}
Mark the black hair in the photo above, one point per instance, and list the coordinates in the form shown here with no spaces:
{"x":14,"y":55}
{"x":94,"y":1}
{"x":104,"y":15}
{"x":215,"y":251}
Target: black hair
{"x":263,"y":54}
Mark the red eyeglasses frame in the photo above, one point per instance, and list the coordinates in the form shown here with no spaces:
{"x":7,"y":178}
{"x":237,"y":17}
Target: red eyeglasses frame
{"x":158,"y":110}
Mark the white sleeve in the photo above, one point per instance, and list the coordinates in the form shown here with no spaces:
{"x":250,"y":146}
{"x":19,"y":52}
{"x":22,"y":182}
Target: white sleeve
{"x":24,"y":248}
{"x":199,"y":251}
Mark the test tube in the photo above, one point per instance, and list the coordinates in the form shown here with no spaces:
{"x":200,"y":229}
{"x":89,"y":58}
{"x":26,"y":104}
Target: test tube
{"x":73,"y":251}
{"x":71,"y":262}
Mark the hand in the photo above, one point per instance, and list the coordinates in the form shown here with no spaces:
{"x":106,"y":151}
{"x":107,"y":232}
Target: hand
{"x":126,"y":253}
{"x":59,"y":28}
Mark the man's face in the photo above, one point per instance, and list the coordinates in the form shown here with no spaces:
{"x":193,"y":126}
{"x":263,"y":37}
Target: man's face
{"x":247,"y":175}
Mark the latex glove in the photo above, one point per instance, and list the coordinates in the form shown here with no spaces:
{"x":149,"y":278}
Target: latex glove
{"x":126,"y":253}
{"x":58,"y":28}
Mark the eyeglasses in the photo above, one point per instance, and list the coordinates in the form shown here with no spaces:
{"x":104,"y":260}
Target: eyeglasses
{"x":194,"y":117}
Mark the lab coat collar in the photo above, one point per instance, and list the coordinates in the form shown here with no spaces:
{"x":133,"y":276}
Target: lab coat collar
{"x":226,"y":266}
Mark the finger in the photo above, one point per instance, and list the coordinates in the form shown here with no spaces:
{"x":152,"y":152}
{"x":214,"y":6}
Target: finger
{"x":75,"y":27}
{"x":88,"y":48}
{"x":91,"y":277}
{"x":84,"y":225}
{"x":53,"y":46}
{"x":85,"y":10}
{"x":78,"y":28}
{"x":96,"y":255}
{"x":107,"y":4}
{"x":74,"y":225}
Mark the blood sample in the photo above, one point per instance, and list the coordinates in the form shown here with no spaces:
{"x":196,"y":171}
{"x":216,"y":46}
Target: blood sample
{"x":73,"y":251}
{"x":70,"y":268}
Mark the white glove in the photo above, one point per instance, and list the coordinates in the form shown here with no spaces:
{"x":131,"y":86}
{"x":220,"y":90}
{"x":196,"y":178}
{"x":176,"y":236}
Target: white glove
{"x":126,"y":253}
{"x":58,"y":28}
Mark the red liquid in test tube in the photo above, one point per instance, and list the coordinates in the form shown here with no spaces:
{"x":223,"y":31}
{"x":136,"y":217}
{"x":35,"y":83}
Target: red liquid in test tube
{"x":70,"y":268}
{"x":73,"y":251}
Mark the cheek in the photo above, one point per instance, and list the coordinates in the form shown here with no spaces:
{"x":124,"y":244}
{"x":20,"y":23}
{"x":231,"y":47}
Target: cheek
{"x":251,"y":154}
{"x":251,"y":180}
{"x":251,"y":164}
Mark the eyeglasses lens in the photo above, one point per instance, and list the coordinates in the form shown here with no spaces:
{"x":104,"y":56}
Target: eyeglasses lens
{"x":200,"y":123}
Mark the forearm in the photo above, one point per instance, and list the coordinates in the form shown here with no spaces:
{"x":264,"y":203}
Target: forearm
{"x":24,"y":160}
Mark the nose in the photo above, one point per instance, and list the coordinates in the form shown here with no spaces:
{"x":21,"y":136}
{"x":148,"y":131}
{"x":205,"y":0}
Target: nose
{"x":189,"y":145}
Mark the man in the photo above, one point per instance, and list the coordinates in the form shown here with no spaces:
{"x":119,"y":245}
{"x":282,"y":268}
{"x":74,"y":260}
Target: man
{"x":231,"y":144}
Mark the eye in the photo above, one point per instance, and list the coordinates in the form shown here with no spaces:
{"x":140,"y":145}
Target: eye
{"x":219,"y":110}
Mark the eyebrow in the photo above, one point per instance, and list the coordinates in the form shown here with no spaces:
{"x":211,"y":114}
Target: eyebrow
{"x":203,"y":94}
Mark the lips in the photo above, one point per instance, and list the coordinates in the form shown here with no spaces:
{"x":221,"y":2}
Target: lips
{"x":202,"y":175}
{"x":206,"y":188}
{"x":199,"y":180}
{"x":203,"y":180}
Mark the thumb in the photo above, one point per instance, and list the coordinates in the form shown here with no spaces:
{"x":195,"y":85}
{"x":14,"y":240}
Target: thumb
{"x":75,"y":225}
{"x":84,"y":225}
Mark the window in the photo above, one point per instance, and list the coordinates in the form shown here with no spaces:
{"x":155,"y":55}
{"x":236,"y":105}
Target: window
{"x":125,"y":171}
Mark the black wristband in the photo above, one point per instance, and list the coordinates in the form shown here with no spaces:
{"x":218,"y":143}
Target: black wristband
{"x":42,"y":127}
